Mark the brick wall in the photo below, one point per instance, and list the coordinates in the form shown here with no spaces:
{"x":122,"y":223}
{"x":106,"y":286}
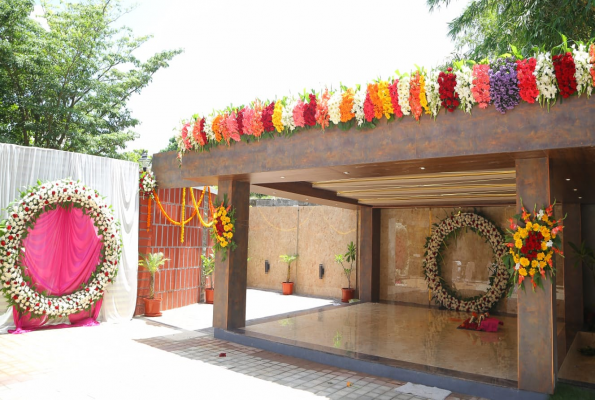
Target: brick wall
{"x":178,"y":282}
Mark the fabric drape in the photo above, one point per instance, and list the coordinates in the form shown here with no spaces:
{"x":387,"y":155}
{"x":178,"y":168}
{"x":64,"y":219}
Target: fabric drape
{"x":115,"y":179}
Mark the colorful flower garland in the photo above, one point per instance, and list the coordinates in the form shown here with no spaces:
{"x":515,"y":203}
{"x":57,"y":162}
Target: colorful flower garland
{"x":224,"y":227}
{"x":147,"y":185}
{"x":22,"y":214}
{"x":504,"y":82}
{"x":435,"y":244}
{"x":532,"y":247}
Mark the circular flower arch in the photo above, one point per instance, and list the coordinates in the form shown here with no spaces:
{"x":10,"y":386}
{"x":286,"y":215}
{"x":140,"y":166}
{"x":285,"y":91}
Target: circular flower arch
{"x":22,"y":215}
{"x":499,"y":279}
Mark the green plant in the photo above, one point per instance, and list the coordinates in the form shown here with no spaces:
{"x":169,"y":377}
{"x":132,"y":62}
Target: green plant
{"x":349,"y":257}
{"x":288,"y":260}
{"x":584,"y":255}
{"x":208,"y":267}
{"x":151,"y":262}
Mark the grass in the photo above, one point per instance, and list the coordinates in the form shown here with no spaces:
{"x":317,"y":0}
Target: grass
{"x":569,"y":392}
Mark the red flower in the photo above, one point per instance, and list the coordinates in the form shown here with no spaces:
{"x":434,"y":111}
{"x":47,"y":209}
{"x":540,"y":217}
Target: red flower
{"x":267,"y":117}
{"x":368,"y":108}
{"x":564,"y":68}
{"x":449,"y":98}
{"x":240,"y":121}
{"x":527,"y":82}
{"x":394,"y":98}
{"x":310,"y":111}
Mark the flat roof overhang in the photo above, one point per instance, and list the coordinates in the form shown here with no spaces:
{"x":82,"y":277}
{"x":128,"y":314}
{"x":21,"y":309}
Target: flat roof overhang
{"x":294,"y":167}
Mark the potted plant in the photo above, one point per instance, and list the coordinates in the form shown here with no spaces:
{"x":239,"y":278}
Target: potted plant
{"x":208,"y":267}
{"x":349,"y":257}
{"x":152,"y":262}
{"x":287,"y":285}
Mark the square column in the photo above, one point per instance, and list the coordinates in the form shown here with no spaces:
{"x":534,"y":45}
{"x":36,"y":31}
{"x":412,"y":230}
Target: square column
{"x":229,"y":305}
{"x":368,"y":268}
{"x":537,"y":339}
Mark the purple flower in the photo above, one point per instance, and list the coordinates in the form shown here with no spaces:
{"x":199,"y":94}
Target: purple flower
{"x":504,"y":84}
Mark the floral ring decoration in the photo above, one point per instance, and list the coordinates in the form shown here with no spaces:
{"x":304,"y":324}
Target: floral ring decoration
{"x":22,"y":215}
{"x":532,"y":247}
{"x":224,"y":226}
{"x":435,"y":244}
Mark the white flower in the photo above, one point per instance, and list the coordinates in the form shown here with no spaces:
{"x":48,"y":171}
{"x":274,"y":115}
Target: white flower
{"x":540,"y":214}
{"x":545,"y":77}
{"x":550,"y":243}
{"x":334,"y":109}
{"x":358,"y":106}
{"x":433,"y":93}
{"x":464,"y":79}
{"x":403,"y":89}
{"x":209,"y":127}
{"x":287,"y":115}
{"x":582,"y":74}
{"x":517,"y":266}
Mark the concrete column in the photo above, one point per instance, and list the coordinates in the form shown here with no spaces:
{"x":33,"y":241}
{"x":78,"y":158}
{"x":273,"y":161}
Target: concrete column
{"x":537,"y":340}
{"x":368,"y":270}
{"x":229,"y":306}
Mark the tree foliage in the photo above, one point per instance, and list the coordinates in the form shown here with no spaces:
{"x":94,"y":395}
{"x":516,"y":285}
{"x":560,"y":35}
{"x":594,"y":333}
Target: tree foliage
{"x":66,"y":86}
{"x":487,"y":28}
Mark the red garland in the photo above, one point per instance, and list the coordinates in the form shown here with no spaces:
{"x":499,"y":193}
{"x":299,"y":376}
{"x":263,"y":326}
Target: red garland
{"x":565,"y":69}
{"x":267,"y":117}
{"x":448,"y":96}
{"x":310,"y":111}
{"x":203,"y":134}
{"x":527,"y":82}
{"x":368,"y":108}
{"x":240,"y":120}
{"x":394,"y":98}
{"x":196,"y":133}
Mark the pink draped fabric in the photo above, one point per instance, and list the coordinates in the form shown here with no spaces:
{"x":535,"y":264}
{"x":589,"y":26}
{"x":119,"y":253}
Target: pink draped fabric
{"x":61,"y":252}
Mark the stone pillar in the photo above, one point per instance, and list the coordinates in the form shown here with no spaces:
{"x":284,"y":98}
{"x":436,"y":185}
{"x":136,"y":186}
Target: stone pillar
{"x":229,"y":306}
{"x":573,"y":276}
{"x":537,"y":339}
{"x":368,"y":271}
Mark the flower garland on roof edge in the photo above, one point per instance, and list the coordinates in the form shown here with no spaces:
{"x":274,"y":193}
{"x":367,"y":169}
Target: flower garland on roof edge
{"x":504,"y":82}
{"x":532,"y":246}
{"x":22,"y":215}
{"x":435,"y":244}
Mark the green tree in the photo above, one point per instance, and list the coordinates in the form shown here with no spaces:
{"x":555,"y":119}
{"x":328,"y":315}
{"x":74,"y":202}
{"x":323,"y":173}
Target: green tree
{"x":171,"y":146}
{"x":487,"y":28}
{"x":67,"y":87}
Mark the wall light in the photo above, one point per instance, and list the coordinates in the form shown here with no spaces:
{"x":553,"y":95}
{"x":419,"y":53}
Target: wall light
{"x":267,"y":266}
{"x":320,"y":271}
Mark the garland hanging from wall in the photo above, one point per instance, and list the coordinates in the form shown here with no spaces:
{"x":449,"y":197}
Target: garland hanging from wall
{"x":435,"y":244}
{"x":540,"y":77}
{"x":22,"y":215}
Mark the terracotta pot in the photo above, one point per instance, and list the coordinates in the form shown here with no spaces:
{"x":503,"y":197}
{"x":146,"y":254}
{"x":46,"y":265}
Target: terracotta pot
{"x":153,"y":307}
{"x":347,"y":294}
{"x":287,"y":288}
{"x":209,"y":296}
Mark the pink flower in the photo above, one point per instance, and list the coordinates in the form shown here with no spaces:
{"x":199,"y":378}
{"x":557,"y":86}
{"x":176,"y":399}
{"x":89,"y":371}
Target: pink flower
{"x":298,"y":114}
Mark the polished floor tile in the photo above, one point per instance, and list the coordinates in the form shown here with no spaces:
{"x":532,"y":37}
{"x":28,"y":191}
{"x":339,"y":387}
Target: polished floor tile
{"x":420,"y":336}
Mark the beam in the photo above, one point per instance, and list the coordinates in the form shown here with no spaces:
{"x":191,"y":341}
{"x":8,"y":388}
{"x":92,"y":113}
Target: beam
{"x":229,"y":306}
{"x":303,"y":191}
{"x":368,"y":270}
{"x":537,"y":336}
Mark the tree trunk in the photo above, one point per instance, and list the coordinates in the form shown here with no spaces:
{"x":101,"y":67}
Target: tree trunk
{"x":152,"y":287}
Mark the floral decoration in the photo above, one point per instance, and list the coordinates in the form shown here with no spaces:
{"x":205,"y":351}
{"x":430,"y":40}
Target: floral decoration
{"x":436,"y":243}
{"x":16,"y":284}
{"x":224,"y":226}
{"x":147,"y":183}
{"x":532,"y":241}
{"x":504,"y":81}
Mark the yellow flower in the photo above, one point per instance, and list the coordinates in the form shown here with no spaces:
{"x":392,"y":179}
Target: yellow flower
{"x":523,"y":232}
{"x":548,"y":257}
{"x":536,"y":227}
{"x":534,"y":264}
{"x":523,"y":271}
{"x":529,"y":226}
{"x":223,"y":244}
{"x":543,"y":245}
{"x":517,"y":236}
{"x":511,"y":251}
{"x":544,"y":218}
{"x":518,"y":244}
{"x":542,"y":264}
{"x":540,"y":256}
{"x":524,"y":262}
{"x":230,"y":235}
{"x":545,"y":231}
{"x":532,"y":271}
{"x":517,"y":259}
{"x":223,"y":212}
{"x":227,"y":228}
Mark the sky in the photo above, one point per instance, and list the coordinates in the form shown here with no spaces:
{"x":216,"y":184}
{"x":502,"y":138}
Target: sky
{"x":236,"y":51}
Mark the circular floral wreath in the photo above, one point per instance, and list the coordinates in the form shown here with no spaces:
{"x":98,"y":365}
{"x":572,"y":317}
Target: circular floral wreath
{"x":22,"y":214}
{"x":499,"y":279}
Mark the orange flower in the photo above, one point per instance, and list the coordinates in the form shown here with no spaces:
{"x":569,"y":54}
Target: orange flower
{"x":257,"y":126}
{"x":384,"y":95}
{"x":217,"y":127}
{"x":347,"y":105}
{"x":414,"y":96}
{"x":378,"y":108}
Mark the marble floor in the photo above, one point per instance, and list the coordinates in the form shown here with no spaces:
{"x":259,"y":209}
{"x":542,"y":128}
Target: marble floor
{"x":576,"y":366}
{"x":413,"y":337}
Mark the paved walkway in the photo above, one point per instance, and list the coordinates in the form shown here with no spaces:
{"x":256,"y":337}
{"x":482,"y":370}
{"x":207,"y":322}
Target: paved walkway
{"x":145,"y":359}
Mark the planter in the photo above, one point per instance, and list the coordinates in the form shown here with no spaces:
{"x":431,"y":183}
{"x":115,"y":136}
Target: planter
{"x":209,"y":296}
{"x":153,"y":307}
{"x":287,"y":288}
{"x":347,"y":294}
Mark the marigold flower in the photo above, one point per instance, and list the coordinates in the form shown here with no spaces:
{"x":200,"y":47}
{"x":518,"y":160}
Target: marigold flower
{"x":277,"y":115}
{"x":525,"y":261}
{"x":378,"y":107}
{"x":518,"y":243}
{"x":385,"y":99}
{"x":217,"y":127}
{"x":523,"y":272}
{"x":347,"y":105}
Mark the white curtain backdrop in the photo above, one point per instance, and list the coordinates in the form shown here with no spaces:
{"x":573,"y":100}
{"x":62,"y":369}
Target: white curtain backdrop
{"x":116,"y":180}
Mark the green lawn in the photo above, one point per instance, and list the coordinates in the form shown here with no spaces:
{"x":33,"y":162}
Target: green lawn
{"x":569,"y":392}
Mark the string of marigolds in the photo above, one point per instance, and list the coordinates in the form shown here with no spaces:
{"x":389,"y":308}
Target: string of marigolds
{"x":532,"y":246}
{"x":541,"y":77}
